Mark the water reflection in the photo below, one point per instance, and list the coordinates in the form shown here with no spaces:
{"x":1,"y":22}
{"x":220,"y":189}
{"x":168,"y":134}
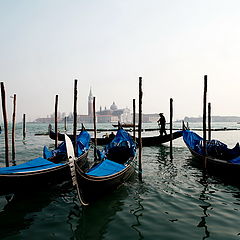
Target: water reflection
{"x":137,"y":210}
{"x":203,"y":197}
{"x":162,"y":154}
{"x":94,"y":219}
{"x":166,"y":166}
{"x":19,"y":211}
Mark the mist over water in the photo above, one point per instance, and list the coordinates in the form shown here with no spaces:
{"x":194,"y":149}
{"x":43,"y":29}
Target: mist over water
{"x":175,"y":201}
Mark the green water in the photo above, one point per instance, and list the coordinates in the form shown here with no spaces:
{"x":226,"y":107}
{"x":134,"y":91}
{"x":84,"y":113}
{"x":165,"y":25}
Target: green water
{"x":175,"y":201}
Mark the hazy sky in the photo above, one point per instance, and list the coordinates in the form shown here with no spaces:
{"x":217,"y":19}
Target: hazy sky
{"x":108,"y":44}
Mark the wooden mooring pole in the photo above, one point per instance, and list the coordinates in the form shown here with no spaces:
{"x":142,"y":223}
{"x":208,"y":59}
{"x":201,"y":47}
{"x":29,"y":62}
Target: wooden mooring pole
{"x":75,"y":116}
{"x":13,"y":129}
{"x":209,"y":122}
{"x":171,"y":127}
{"x":65,"y":124}
{"x":204,"y":120}
{"x":5,"y":124}
{"x":134,"y":120}
{"x":24,"y":126}
{"x":95,"y":128}
{"x":140,"y":131}
{"x":56,"y":121}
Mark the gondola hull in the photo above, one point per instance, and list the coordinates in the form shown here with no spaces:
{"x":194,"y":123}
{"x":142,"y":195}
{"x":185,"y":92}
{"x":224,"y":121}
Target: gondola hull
{"x":30,"y":181}
{"x":217,"y":167}
{"x":91,"y":188}
{"x":157,"y":140}
{"x":224,"y":165}
{"x":146,"y":141}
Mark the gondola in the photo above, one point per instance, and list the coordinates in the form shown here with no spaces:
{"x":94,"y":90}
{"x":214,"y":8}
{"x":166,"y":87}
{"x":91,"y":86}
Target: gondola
{"x":146,"y":141}
{"x":115,"y":167}
{"x":157,"y":140}
{"x":220,"y":160}
{"x":40,"y":171}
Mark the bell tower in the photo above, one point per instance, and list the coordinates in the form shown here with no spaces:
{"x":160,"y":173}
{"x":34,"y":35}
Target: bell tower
{"x":90,"y":103}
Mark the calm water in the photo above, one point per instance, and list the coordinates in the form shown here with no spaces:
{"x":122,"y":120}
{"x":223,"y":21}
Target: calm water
{"x":175,"y":201}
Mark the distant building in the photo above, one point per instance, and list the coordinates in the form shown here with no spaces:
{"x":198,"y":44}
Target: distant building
{"x":90,"y":103}
{"x":121,"y":115}
{"x":148,"y":118}
{"x":111,"y":115}
{"x":213,"y":119}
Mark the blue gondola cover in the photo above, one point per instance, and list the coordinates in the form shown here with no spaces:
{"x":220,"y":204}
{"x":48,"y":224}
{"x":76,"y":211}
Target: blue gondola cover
{"x":32,"y":165}
{"x":83,"y":141}
{"x":105,"y":168}
{"x":215,"y":148}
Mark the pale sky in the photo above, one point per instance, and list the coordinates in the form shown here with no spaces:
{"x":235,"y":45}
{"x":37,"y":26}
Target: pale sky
{"x":108,"y":44}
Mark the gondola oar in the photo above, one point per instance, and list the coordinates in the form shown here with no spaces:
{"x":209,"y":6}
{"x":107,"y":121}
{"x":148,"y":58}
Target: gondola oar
{"x":71,"y":160}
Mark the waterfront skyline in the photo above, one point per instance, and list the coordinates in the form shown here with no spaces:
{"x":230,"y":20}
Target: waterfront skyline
{"x":108,"y":45}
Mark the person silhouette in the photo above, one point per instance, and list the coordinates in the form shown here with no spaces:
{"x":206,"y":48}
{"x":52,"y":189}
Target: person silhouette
{"x":162,"y":124}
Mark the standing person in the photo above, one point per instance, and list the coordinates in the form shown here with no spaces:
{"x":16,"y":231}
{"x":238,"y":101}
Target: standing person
{"x":162,"y":124}
{"x":111,"y":136}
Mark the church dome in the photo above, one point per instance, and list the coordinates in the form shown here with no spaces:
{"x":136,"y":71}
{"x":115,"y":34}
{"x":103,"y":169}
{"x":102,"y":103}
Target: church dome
{"x":113,"y":107}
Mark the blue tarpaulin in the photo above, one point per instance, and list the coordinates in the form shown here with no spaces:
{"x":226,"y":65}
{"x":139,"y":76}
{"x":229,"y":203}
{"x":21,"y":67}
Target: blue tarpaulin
{"x":83,"y":141}
{"x":214,"y":148}
{"x":32,"y":165}
{"x":105,"y":168}
{"x":122,"y":138}
{"x":124,"y":147}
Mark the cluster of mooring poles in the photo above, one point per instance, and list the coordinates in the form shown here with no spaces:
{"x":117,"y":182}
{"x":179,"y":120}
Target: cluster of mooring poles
{"x":205,"y":128}
{"x":65,"y":119}
{"x":75,"y":124}
{"x":5,"y":122}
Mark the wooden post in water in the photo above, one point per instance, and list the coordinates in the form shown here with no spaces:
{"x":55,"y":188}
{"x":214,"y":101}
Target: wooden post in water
{"x":75,"y":116}
{"x":13,"y":128}
{"x":209,"y":121}
{"x":95,"y":128}
{"x":204,"y":120}
{"x":140,"y":131}
{"x":5,"y":124}
{"x":65,"y":123}
{"x":56,"y":121}
{"x":171,"y":118}
{"x":134,"y":119}
{"x":24,"y":126}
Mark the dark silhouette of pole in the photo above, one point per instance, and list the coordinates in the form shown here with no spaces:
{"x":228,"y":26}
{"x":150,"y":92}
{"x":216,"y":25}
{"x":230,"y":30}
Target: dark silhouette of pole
{"x":140,"y":131}
{"x":65,"y":124}
{"x":204,"y":120}
{"x":209,"y":121}
{"x":134,"y":119}
{"x":13,"y":128}
{"x":56,"y":121}
{"x":75,"y":116}
{"x":171,"y":121}
{"x":95,"y":128}
{"x":5,"y":124}
{"x":24,"y":126}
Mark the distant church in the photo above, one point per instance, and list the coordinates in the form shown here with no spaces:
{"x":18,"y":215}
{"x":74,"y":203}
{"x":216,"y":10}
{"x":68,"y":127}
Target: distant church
{"x":111,"y":115}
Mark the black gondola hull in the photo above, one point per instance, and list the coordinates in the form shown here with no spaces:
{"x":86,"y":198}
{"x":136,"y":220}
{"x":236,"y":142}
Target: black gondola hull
{"x":217,"y":167}
{"x":146,"y":141}
{"x":30,"y":181}
{"x":91,"y":188}
{"x":157,"y":140}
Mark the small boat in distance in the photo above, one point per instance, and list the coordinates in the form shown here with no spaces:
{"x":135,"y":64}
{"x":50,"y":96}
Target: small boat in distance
{"x":125,"y":125}
{"x":114,"y":168}
{"x":220,"y":160}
